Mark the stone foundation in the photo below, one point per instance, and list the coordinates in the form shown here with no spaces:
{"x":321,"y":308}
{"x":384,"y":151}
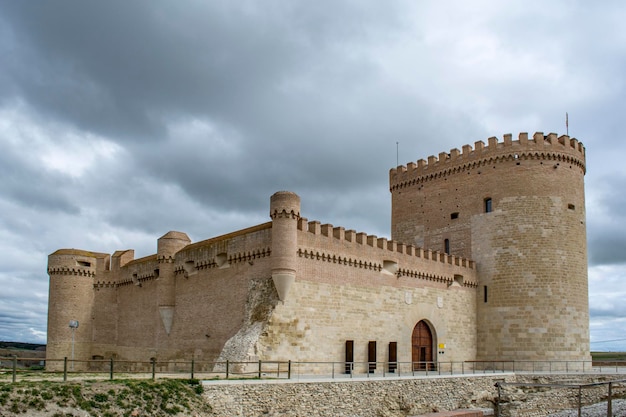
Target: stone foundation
{"x":403,"y":397}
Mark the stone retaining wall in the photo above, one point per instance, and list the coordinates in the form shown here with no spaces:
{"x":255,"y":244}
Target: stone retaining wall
{"x":401,"y":397}
{"x":362,"y":398}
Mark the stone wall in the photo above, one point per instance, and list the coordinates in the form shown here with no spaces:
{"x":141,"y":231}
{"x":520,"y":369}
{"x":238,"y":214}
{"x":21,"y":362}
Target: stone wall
{"x":369,"y":398}
{"x":403,"y":397}
{"x":532,"y":401}
{"x":314,"y":323}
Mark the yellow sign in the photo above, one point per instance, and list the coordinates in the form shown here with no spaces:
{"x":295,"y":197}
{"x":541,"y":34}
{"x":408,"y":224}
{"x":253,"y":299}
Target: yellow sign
{"x":442,"y":345}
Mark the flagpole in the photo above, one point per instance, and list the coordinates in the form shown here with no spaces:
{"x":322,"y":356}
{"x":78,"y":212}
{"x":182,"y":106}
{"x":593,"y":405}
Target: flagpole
{"x":566,"y":124}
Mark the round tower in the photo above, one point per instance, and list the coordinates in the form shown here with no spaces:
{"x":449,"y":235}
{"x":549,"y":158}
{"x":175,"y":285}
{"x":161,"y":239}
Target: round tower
{"x":70,"y":303}
{"x":167,"y":247}
{"x":517,"y":208}
{"x":285,"y":212}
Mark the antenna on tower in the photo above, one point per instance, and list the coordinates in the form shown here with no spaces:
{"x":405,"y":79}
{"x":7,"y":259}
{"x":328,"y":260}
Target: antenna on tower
{"x":566,"y":124}
{"x":397,"y":158}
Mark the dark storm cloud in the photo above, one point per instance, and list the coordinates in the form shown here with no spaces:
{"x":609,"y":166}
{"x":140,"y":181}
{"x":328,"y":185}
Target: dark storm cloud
{"x":134,"y":64}
{"x":264,"y":71}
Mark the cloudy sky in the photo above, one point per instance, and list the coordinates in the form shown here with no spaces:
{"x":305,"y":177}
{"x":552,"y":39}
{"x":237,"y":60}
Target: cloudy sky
{"x":120,"y":121}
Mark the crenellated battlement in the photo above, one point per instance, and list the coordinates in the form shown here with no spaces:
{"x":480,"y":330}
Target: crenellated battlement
{"x":105,"y":284}
{"x":83,"y":272}
{"x":214,"y":260}
{"x":359,"y":239}
{"x":539,"y":147}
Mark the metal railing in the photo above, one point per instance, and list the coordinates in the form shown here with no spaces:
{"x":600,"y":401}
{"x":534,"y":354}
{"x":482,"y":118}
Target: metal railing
{"x":574,"y":395}
{"x":195,"y":369}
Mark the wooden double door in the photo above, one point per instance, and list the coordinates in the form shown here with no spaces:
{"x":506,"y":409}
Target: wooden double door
{"x":422,"y":347}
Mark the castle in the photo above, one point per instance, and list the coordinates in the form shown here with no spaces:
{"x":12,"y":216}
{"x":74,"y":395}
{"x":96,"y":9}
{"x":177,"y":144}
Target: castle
{"x":487,"y":261}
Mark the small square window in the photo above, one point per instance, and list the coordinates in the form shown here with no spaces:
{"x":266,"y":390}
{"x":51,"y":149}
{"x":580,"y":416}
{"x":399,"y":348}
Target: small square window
{"x":454,"y":215}
{"x":571,"y":207}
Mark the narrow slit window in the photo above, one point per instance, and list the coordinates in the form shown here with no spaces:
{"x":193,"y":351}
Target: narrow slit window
{"x":446,"y":246}
{"x":488,"y":206}
{"x":485,"y":293}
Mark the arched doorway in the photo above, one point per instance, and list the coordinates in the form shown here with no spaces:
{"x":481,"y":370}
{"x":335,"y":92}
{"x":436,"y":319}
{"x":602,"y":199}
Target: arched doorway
{"x":422,"y":347}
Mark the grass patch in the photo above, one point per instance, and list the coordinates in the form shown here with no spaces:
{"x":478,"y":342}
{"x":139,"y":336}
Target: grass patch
{"x":116,"y":398}
{"x":608,"y":356}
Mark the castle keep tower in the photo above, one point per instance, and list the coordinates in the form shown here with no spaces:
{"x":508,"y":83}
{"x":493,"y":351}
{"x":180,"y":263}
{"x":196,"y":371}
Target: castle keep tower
{"x":72,"y":274}
{"x":517,"y":208}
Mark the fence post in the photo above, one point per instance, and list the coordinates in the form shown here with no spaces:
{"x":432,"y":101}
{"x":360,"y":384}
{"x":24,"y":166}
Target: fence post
{"x":498,"y":403}
{"x":14,"y":368}
{"x":153,"y":360}
{"x":609,"y":402}
{"x":111,"y":369}
{"x":65,"y":369}
{"x":260,"y":368}
{"x":289,"y":369}
{"x":192,"y":366}
{"x":227,"y":363}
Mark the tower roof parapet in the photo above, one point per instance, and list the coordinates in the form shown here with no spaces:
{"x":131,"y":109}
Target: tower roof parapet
{"x":77,"y":262}
{"x":79,"y":252}
{"x":285,"y":204}
{"x":540,"y":146}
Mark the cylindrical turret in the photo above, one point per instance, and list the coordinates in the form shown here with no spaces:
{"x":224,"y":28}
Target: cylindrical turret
{"x":71,"y":293}
{"x":285,"y":212}
{"x":167,"y":247}
{"x":517,"y":208}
